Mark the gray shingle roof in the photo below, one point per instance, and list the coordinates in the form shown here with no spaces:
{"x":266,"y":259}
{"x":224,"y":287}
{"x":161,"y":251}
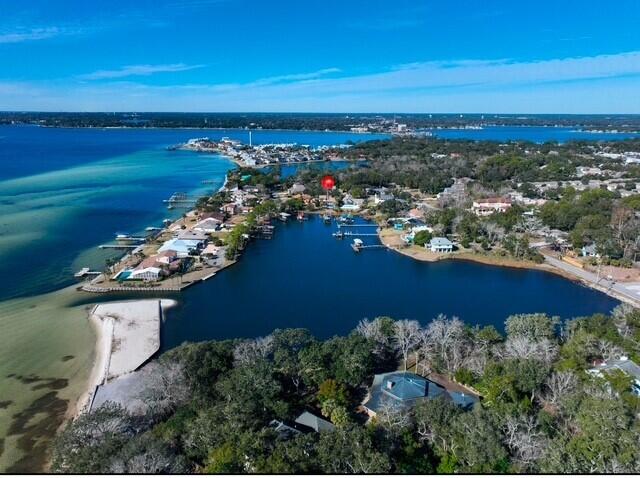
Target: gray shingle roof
{"x":626,"y":365}
{"x":316,"y":423}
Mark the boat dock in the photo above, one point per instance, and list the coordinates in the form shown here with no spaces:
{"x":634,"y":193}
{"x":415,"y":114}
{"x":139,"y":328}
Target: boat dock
{"x":85,"y":271}
{"x":351,"y":233}
{"x":357,"y":248}
{"x":117,"y":246}
{"x":179,"y":198}
{"x":358,"y":225}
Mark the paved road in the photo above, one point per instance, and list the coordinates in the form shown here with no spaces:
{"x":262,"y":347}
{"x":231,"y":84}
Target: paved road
{"x":630,"y":290}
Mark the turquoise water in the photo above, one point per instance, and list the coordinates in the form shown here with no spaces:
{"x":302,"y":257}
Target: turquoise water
{"x":65,"y":191}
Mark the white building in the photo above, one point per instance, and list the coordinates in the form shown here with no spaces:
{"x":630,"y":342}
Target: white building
{"x":207,"y":225}
{"x":440,"y":244}
{"x":488,"y":206}
{"x":146,"y":274}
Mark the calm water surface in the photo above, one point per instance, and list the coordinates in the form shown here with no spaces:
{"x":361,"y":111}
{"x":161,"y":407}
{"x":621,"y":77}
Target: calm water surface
{"x":304,"y":277}
{"x":64,"y":191}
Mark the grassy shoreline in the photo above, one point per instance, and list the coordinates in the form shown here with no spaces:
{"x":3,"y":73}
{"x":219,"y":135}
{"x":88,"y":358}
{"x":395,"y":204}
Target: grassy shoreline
{"x":390,"y":239}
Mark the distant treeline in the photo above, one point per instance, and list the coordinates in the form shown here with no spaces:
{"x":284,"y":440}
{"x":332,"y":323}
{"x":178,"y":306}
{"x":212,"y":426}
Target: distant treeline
{"x":313,"y":121}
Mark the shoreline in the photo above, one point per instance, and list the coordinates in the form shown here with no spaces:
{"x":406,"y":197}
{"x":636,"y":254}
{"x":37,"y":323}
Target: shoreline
{"x":104,"y":329}
{"x":509,"y":263}
{"x":102,"y":351}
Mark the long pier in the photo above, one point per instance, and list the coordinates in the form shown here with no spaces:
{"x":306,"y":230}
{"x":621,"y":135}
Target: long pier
{"x":117,"y":246}
{"x":371,"y":246}
{"x":359,"y":234}
{"x":358,"y":225}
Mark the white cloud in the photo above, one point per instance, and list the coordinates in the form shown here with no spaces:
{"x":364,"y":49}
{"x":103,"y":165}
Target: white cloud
{"x":604,"y":83}
{"x":294,"y":77}
{"x":137,"y":70}
{"x":29,"y":35}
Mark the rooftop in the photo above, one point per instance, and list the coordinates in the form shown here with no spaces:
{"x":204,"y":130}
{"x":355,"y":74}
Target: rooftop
{"x":404,"y":389}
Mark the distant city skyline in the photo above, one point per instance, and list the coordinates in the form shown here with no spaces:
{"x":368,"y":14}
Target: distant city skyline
{"x":572,"y":57}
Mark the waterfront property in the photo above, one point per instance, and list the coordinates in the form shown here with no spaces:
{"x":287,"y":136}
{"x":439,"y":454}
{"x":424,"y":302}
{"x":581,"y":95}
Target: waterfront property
{"x":182,"y":247}
{"x":439,"y":244}
{"x":334,"y":275}
{"x":405,"y":389}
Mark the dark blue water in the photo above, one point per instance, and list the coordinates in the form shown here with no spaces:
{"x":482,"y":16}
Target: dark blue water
{"x":304,"y":277}
{"x":535,"y":134}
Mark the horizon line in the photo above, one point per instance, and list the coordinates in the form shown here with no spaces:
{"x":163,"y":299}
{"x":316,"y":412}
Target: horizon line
{"x":311,"y":112}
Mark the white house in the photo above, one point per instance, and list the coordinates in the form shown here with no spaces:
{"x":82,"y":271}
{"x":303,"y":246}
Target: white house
{"x":440,"y":244}
{"x":147,"y":274}
{"x":180,"y":246}
{"x":207,"y":225}
{"x":350,"y":203}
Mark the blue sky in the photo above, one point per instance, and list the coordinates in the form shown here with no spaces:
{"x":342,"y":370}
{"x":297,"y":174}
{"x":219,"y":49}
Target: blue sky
{"x":496,"y":56}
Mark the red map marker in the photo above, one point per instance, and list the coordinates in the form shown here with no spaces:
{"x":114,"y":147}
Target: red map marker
{"x":327,"y":182}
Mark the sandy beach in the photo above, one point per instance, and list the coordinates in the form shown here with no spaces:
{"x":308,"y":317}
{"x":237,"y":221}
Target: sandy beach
{"x":127,"y":335}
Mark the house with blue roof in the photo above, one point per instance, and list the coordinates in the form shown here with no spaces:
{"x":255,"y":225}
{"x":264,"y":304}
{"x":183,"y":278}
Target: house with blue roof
{"x":405,"y":389}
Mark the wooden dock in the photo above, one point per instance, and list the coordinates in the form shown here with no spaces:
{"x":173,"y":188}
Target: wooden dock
{"x":358,"y":225}
{"x":351,"y":233}
{"x":372,"y":246}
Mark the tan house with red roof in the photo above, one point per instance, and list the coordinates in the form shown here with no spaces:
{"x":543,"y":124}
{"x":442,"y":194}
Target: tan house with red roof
{"x":488,"y":206}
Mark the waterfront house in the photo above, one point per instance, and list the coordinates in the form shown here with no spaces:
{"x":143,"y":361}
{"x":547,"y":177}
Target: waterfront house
{"x":149,"y":274}
{"x":210,"y":251}
{"x":488,"y":206}
{"x":406,"y":389}
{"x":623,"y":364}
{"x":166,"y":257}
{"x":218,"y":216}
{"x":207,"y":225}
{"x":197,"y":236}
{"x":181,"y":247}
{"x":349,"y":203}
{"x":439,"y":244}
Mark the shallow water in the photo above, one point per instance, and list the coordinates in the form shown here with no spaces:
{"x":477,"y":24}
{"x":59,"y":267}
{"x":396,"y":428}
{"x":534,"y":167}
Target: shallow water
{"x":62,"y":193}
